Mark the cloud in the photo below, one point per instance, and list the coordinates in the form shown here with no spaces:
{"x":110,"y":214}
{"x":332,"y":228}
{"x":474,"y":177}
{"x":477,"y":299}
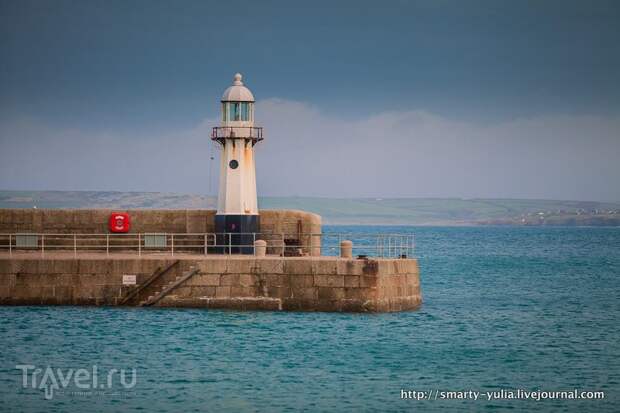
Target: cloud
{"x":38,"y":156}
{"x":416,"y":153}
{"x":308,"y":152}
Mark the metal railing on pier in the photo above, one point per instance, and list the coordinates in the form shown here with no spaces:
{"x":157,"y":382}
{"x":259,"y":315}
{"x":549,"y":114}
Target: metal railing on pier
{"x":278,"y":244}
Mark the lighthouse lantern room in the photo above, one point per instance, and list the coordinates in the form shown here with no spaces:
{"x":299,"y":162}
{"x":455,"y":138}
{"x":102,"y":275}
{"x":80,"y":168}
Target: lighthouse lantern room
{"x":237,"y":218}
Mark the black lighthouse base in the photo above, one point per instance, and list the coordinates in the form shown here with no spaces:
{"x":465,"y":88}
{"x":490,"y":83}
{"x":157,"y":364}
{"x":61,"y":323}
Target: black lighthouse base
{"x":235,"y":234}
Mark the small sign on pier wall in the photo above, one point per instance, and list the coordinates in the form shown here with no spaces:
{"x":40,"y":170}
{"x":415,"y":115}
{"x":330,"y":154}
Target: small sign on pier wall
{"x":129,"y":279}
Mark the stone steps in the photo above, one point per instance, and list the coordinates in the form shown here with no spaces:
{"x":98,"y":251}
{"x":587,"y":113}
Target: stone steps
{"x":158,"y":295}
{"x":159,"y":272}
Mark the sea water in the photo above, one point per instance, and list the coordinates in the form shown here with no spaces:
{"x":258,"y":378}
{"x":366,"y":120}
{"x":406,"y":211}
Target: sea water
{"x":505,"y":309}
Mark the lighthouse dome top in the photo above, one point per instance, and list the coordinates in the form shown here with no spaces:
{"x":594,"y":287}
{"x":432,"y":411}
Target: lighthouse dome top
{"x":237,"y":92}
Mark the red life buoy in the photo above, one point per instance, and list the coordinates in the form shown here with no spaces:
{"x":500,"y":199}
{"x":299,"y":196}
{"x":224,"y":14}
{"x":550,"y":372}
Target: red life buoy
{"x":119,"y":222}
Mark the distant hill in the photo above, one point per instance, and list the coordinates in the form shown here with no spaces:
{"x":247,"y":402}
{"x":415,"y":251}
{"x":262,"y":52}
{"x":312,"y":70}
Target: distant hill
{"x":362,"y":211}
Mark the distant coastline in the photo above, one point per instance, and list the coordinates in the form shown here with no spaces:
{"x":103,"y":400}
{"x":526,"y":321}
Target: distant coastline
{"x":355,"y":211}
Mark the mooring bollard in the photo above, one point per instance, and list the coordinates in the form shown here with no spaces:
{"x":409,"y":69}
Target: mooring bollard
{"x":260,"y":248}
{"x":346,"y":249}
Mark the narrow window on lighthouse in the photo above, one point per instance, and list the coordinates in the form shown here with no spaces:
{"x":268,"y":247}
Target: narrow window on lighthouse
{"x":245,"y":115}
{"x":235,"y":112}
{"x":224,"y":118}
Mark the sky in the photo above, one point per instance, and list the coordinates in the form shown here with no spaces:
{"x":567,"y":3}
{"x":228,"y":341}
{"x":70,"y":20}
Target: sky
{"x":470,"y":99}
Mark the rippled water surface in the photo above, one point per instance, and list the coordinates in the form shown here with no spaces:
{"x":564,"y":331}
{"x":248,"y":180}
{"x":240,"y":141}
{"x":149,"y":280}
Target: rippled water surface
{"x":504,"y":308}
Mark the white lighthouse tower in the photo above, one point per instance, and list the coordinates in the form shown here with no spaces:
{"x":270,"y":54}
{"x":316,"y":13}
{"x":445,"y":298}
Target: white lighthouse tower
{"x":237,"y":208}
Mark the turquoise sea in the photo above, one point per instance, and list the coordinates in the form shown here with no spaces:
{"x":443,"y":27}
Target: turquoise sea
{"x":504,"y":309}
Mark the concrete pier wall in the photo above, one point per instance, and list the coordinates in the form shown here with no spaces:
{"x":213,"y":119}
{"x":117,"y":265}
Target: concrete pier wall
{"x":95,"y":221}
{"x":292,"y":223}
{"x":238,"y":282}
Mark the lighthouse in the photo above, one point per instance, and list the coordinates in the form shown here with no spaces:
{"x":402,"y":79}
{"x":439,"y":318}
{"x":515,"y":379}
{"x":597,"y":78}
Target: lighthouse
{"x":237,"y":216}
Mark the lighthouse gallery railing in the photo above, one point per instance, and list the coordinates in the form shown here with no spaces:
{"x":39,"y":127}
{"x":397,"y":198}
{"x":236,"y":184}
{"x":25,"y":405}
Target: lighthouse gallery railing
{"x":221,"y":133}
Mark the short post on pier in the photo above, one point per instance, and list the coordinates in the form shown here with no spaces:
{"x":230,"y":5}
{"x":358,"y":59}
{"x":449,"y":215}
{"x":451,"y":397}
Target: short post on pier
{"x":260,"y":248}
{"x":346,"y":249}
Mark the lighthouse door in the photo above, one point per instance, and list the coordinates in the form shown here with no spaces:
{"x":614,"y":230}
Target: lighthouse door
{"x":236,"y":233}
{"x":236,"y":238}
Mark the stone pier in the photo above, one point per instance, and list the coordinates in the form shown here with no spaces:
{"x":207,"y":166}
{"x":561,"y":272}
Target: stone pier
{"x":288,"y":272}
{"x":231,"y":282}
